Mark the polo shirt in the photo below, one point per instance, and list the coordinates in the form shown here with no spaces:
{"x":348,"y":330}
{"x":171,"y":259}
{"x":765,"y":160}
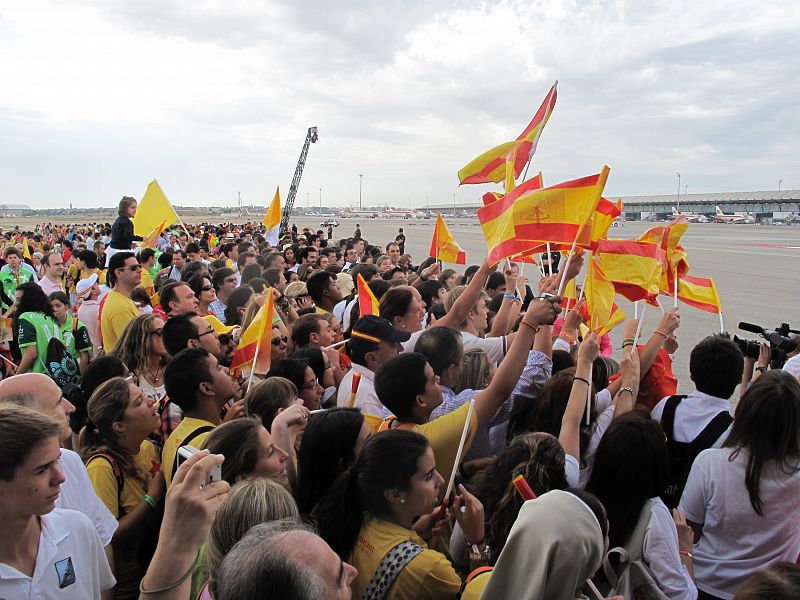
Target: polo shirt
{"x":70,"y":562}
{"x":117,"y":312}
{"x":49,"y":286}
{"x":693,"y":414}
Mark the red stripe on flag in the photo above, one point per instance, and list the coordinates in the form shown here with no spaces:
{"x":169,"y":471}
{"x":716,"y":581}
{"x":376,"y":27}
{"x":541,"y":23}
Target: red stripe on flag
{"x":480,"y":176}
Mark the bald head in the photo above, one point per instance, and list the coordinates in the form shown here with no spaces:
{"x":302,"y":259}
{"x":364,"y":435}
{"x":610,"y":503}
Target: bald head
{"x":40,"y":393}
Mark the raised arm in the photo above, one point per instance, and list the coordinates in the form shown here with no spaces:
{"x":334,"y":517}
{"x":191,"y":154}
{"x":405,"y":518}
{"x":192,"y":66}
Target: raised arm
{"x":569,"y":436}
{"x":540,"y":312}
{"x":461,"y":307}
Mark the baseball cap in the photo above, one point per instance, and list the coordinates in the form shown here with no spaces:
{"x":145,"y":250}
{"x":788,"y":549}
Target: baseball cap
{"x":84,"y":285}
{"x":374,"y":329}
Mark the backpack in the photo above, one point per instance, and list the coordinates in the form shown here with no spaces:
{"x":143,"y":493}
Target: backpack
{"x":625,"y":570}
{"x":117,"y":475}
{"x":682,"y":454}
{"x":61,"y":365}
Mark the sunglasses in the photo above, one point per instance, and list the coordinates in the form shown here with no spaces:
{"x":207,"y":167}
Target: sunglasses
{"x":157,"y":332}
{"x":206,"y":288}
{"x":278,"y":340}
{"x":131,"y":268}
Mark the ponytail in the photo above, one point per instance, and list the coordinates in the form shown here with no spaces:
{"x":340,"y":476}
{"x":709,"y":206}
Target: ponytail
{"x":339,"y":514}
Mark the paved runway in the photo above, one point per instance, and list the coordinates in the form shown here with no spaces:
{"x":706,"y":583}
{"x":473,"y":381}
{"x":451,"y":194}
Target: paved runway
{"x":756,"y":269}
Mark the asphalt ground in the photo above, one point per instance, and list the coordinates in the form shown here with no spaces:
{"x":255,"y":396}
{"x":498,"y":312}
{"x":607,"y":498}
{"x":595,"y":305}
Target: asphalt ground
{"x":756,"y":269}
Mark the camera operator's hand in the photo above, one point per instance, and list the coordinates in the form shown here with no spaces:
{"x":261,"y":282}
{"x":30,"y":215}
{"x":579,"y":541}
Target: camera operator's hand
{"x":764,"y":355}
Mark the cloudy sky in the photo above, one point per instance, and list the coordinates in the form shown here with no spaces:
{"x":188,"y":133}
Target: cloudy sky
{"x":214,"y":98}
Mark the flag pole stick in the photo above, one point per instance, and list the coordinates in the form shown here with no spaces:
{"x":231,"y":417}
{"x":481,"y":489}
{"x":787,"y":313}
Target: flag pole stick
{"x":253,"y":366}
{"x":636,"y":309}
{"x":460,"y":450}
{"x":639,"y":327}
{"x":549,"y":260}
{"x":190,"y":236}
{"x":589,"y":398}
{"x":675,"y":289}
{"x":721,"y":323}
{"x":13,"y":366}
{"x":355,"y":382}
{"x":661,"y":308}
{"x":569,"y":258}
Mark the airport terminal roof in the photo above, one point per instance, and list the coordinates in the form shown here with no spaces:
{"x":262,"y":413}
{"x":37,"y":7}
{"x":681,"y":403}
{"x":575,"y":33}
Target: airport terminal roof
{"x":763,"y":196}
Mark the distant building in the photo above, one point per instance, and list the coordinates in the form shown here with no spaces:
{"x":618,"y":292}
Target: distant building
{"x":15,"y":210}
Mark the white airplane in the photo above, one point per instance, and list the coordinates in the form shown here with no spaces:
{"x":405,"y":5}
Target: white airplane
{"x":721,"y":217}
{"x":689,"y":216}
{"x":403,"y":214}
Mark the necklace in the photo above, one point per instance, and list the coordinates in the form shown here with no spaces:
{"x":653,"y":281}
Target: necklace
{"x":154,"y":377}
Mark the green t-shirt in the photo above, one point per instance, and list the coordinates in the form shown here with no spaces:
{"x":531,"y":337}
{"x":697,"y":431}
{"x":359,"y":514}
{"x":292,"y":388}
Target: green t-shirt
{"x":11,"y":282}
{"x":79,"y":342}
{"x":36,"y":328}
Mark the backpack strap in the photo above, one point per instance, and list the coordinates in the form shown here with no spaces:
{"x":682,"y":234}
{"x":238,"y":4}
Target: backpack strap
{"x":117,"y":475}
{"x":668,"y":416}
{"x":389,"y":424}
{"x":711,"y":433}
{"x":632,"y":551}
{"x":391,"y":566}
{"x":188,"y":440}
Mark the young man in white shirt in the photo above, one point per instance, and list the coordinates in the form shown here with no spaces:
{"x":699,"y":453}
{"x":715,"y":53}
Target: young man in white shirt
{"x":46,"y":552}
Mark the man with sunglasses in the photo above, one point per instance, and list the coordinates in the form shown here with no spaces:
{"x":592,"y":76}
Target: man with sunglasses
{"x":117,"y":309}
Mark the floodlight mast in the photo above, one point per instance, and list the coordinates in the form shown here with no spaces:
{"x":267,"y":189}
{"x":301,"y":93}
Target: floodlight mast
{"x":311,"y":138}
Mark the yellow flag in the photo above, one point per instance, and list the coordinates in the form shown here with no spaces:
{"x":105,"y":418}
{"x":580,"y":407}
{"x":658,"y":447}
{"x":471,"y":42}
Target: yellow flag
{"x":154,"y":208}
{"x":26,"y":248}
{"x":272,"y":220}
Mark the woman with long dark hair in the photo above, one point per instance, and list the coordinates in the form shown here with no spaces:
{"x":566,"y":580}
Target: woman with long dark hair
{"x":124,"y":468}
{"x":34,"y":325}
{"x":737,"y":532}
{"x":631,"y":469}
{"x":373,"y":510}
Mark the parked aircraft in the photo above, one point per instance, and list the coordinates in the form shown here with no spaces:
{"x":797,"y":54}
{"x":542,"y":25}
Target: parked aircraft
{"x":721,"y":217}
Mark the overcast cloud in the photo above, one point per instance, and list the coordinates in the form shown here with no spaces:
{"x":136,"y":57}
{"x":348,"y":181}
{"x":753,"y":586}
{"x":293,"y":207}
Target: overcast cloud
{"x":215,"y":97}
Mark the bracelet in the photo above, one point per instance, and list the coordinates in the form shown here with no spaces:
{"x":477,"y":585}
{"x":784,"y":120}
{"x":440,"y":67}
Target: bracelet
{"x":686,"y":553}
{"x":761,"y":369}
{"x":661,"y":333}
{"x":167,"y":588}
{"x":511,"y":296}
{"x":565,"y":336}
{"x":531,"y":327}
{"x":626,"y":343}
{"x":152,"y":502}
{"x":586,"y":381}
{"x":626,"y":340}
{"x":626,"y":389}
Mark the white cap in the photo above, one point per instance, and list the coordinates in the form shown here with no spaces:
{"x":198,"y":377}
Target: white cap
{"x":84,"y":285}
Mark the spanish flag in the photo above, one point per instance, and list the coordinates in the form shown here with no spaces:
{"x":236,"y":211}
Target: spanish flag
{"x":675,"y":259}
{"x":604,"y":216}
{"x":444,"y":246}
{"x":570,"y":296}
{"x":634,"y":268}
{"x":153,"y":209}
{"x":699,"y":292}
{"x":151,"y":239}
{"x":490,"y":167}
{"x":561,"y":213}
{"x":602,"y":312}
{"x":254,"y":349}
{"x":272,"y":220}
{"x":367,"y":302}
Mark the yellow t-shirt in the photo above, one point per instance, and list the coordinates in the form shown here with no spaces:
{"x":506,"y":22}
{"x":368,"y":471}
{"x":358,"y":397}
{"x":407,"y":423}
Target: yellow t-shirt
{"x":101,"y":474}
{"x":118,"y":311}
{"x":147,"y":283}
{"x":429,"y":575}
{"x":444,"y":434}
{"x":175,"y":440}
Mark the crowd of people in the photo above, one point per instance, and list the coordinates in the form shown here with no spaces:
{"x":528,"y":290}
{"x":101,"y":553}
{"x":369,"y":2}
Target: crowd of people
{"x":468,"y":439}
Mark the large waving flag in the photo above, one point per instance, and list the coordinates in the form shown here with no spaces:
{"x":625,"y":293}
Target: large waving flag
{"x":367,"y":302}
{"x":675,"y":260}
{"x":559,"y":214}
{"x":254,"y":349}
{"x":699,"y":292}
{"x":602,"y":312}
{"x":272,"y":220}
{"x":490,"y":167}
{"x":444,"y":246}
{"x":634,"y":268}
{"x":153,"y":209}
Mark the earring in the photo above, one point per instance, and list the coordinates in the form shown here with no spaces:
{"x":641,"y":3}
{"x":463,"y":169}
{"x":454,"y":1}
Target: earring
{"x":402,"y":500}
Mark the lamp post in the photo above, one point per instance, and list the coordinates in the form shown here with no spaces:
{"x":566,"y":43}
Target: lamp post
{"x":320,"y":200}
{"x":360,"y":177}
{"x":685,"y":189}
{"x":780,"y":181}
{"x":679,"y":192}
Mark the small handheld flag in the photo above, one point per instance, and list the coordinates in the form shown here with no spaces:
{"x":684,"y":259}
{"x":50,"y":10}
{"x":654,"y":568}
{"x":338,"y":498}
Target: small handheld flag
{"x":272,"y":220}
{"x":367,"y":302}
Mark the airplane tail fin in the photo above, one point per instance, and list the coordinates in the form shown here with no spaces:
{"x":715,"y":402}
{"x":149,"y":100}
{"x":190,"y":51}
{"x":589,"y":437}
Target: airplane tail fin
{"x":718,"y":210}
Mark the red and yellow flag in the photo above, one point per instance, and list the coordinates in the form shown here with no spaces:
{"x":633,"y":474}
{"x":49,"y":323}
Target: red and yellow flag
{"x":559,"y":214}
{"x":151,"y":239}
{"x":604,"y":216}
{"x":490,"y":167}
{"x":444,"y":246}
{"x":535,"y":183}
{"x":634,"y":268}
{"x":367,"y":302}
{"x":699,"y":292}
{"x":674,"y":257}
{"x":602,"y":313}
{"x":254,"y":349}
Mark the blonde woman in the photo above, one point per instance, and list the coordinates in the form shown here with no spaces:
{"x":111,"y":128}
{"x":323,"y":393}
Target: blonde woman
{"x":124,"y":468}
{"x":142,"y":350}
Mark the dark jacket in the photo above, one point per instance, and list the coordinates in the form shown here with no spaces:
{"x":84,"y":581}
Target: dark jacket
{"x":122,"y":234}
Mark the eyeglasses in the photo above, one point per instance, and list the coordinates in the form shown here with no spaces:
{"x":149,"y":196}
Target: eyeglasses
{"x":157,"y":332}
{"x":279,"y":340}
{"x":210,"y":331}
{"x":310,"y":385}
{"x":131,"y":268}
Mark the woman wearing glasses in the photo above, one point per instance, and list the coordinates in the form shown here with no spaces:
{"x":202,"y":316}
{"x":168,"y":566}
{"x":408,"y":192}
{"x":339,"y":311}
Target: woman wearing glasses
{"x":204,"y":290}
{"x":142,"y":350}
{"x":303,"y":377}
{"x":280,"y":345}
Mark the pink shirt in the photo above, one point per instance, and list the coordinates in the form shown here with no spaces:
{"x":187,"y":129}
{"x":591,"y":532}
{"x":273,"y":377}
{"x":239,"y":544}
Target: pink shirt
{"x":49,"y":287}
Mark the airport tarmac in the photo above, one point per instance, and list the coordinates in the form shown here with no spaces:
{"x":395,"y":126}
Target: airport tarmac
{"x":756,"y":270}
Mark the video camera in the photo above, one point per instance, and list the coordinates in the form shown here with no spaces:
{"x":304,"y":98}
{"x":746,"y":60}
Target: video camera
{"x":779,"y":341}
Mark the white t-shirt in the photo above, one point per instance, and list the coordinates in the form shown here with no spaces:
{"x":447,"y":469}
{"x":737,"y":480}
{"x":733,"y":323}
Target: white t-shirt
{"x":70,"y":562}
{"x":366,"y":398}
{"x":736,"y":541}
{"x":598,"y":430}
{"x":693,"y":414}
{"x":792,"y":366}
{"x":660,"y":552}
{"x":78,"y":494}
{"x":494,"y":347}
